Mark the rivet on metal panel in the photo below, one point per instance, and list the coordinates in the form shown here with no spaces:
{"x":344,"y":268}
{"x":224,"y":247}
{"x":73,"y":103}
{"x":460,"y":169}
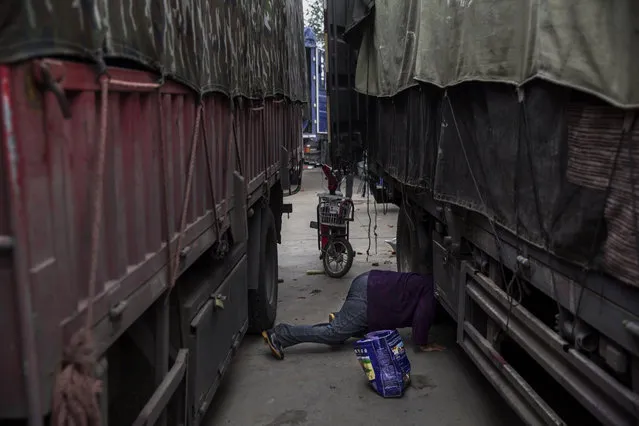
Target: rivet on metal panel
{"x":115,"y":313}
{"x":185,"y":252}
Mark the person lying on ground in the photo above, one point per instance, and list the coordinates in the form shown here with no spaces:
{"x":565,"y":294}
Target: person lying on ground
{"x":376,"y":300}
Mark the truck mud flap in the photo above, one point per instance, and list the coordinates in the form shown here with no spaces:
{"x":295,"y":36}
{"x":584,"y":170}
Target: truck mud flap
{"x":153,"y":409}
{"x":597,"y":391}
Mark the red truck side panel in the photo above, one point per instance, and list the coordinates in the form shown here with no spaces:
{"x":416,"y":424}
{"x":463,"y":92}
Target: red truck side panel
{"x":11,"y":351}
{"x":56,"y":163}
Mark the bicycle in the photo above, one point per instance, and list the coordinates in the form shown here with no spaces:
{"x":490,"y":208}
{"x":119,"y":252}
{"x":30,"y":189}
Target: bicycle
{"x":334,"y":214}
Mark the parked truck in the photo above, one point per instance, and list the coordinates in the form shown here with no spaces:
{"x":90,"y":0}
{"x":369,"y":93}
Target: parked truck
{"x":316,"y":125}
{"x":507,"y":134}
{"x":145,"y":150}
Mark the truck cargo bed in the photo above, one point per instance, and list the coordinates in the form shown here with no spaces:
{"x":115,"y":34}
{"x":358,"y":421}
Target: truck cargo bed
{"x":516,"y":194}
{"x":47,"y":188}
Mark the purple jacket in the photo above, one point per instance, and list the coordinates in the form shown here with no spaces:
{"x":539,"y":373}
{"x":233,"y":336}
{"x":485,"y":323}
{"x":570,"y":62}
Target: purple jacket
{"x":401,"y":299}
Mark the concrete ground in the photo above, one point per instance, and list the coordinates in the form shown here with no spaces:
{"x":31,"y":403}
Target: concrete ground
{"x":318,"y":385}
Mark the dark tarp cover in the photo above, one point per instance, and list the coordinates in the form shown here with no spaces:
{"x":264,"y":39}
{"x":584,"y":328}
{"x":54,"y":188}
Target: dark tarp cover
{"x":591,"y":45}
{"x":238,"y":47}
{"x":557,"y":167}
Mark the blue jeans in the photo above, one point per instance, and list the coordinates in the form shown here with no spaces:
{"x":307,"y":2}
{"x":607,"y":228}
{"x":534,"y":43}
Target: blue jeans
{"x":350,"y":321}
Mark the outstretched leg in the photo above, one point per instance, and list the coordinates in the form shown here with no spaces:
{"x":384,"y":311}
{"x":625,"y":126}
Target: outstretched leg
{"x":350,"y":321}
{"x":354,"y":309}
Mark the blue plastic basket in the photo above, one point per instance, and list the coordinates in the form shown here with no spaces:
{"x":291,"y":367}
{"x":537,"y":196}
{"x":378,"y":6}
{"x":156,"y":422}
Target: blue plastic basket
{"x":383,"y":358}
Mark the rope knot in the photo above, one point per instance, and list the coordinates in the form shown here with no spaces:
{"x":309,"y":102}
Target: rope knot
{"x":76,"y":390}
{"x":79,"y":353}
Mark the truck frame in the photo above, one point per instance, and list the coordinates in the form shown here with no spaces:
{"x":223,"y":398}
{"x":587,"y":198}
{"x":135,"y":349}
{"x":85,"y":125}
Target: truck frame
{"x":518,"y":308}
{"x":145,"y":212}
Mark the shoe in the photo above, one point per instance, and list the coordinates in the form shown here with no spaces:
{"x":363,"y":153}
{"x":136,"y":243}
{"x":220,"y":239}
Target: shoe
{"x":331,"y":317}
{"x":274,"y":345}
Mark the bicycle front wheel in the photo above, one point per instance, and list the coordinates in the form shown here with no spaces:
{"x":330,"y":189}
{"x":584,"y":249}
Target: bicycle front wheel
{"x":338,"y":257}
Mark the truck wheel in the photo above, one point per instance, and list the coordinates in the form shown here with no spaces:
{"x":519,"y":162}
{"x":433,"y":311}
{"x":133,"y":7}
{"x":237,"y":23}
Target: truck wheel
{"x":410,"y":256}
{"x":406,"y":244}
{"x":263,"y":300}
{"x":413,"y":258}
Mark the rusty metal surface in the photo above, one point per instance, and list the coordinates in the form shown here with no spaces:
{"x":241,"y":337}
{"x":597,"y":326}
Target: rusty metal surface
{"x":56,"y":167}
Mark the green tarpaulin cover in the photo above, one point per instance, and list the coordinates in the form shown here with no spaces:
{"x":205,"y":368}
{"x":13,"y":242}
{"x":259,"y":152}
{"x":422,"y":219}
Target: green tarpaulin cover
{"x":591,"y":45}
{"x":253,"y":48}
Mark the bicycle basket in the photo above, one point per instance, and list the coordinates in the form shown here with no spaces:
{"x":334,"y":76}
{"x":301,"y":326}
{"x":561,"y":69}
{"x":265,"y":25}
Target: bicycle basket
{"x":334,"y":210}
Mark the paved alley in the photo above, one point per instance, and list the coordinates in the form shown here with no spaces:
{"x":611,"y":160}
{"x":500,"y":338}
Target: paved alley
{"x":317,"y":385}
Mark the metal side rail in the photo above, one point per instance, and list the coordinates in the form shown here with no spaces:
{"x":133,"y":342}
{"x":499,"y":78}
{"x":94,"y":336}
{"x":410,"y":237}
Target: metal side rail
{"x":509,"y":384}
{"x":608,"y":400}
{"x":153,"y":409}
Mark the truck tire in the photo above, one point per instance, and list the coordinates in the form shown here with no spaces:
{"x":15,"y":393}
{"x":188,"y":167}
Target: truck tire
{"x":263,"y":300}
{"x":411,"y":257}
{"x":406,"y":244}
